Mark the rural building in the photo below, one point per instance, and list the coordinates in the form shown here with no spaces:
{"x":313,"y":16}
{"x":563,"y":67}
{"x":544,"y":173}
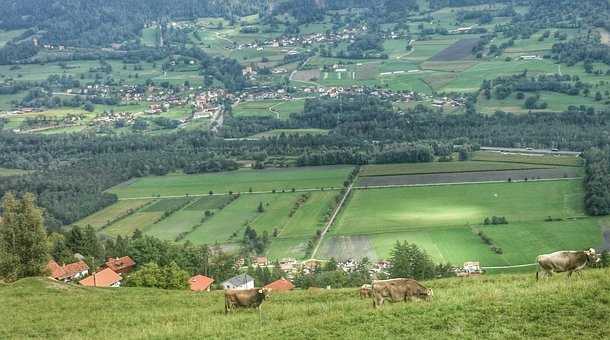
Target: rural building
{"x":105,"y":278}
{"x":281,"y":285}
{"x":121,"y":265}
{"x":243,"y":281}
{"x":470,"y":268}
{"x":200,"y":283}
{"x":260,"y":261}
{"x":68,"y":272}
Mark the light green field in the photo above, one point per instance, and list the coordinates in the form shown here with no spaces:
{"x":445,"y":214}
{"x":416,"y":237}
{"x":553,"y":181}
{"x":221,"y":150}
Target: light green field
{"x":110,"y":213}
{"x":13,"y":172}
{"x":179,"y":222}
{"x":236,"y":181}
{"x":490,"y":156}
{"x":557,"y":102}
{"x":274,"y":108}
{"x":233,"y":218}
{"x":522,"y":242}
{"x":440,"y":167}
{"x":6,"y":36}
{"x":139,"y":220}
{"x":376,"y":211}
{"x":278,"y":132}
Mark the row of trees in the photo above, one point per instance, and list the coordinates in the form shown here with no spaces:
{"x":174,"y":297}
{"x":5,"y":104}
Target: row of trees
{"x":597,"y":181}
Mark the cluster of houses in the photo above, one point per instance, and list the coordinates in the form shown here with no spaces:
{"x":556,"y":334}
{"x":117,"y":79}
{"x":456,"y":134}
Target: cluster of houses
{"x":346,"y":34}
{"x":110,"y":275}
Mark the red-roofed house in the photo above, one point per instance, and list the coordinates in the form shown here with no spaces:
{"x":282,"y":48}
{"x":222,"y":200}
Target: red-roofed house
{"x":121,"y":265}
{"x":200,"y":283}
{"x":281,"y":285}
{"x":105,"y":278}
{"x":68,"y":272}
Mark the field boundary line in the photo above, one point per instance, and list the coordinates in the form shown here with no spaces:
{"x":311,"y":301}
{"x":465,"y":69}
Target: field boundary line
{"x":234,"y":193}
{"x":542,"y":167}
{"x":333,"y":217}
{"x":461,"y":183}
{"x":515,"y":266}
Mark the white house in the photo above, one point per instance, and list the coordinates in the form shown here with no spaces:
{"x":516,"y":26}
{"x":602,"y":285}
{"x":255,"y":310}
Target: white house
{"x":243,"y":281}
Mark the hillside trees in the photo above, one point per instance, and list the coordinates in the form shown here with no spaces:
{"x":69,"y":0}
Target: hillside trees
{"x":409,"y":261}
{"x":597,"y":181}
{"x":152,"y":275}
{"x":23,"y":244}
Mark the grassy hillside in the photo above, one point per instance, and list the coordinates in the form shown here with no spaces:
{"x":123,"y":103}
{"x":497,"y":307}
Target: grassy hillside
{"x":500,"y":306}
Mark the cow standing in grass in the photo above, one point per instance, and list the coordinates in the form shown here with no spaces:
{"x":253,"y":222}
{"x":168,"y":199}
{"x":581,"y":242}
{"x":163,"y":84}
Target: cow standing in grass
{"x":565,"y":261}
{"x":396,"y":290}
{"x":245,"y":298}
{"x":365,"y":291}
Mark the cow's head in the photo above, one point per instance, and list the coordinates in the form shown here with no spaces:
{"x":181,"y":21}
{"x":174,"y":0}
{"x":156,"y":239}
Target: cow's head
{"x":430,"y":292}
{"x":264,"y":292}
{"x":592,"y":256}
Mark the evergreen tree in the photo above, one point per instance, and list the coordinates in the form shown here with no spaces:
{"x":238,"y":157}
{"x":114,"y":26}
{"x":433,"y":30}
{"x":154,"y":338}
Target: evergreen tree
{"x":23,"y":241}
{"x":409,"y":261}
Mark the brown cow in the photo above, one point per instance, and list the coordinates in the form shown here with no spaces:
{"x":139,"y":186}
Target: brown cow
{"x":245,"y":298}
{"x":565,"y":261}
{"x":396,"y":290}
{"x":365,"y":291}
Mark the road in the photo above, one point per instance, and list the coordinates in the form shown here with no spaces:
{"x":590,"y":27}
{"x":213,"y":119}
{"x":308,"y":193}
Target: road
{"x":332,"y":218}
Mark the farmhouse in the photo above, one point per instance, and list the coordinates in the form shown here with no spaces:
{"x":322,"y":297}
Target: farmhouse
{"x":200,"y":283}
{"x":281,"y":285}
{"x":243,"y":281}
{"x":120,"y":265}
{"x":68,"y":272}
{"x":105,"y":278}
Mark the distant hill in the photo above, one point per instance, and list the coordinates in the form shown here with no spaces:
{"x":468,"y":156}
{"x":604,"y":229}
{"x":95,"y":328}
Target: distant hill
{"x":499,"y":306}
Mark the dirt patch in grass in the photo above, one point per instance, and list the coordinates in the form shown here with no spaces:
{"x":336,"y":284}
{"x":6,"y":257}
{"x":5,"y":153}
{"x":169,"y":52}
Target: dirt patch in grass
{"x":461,"y":49}
{"x":347,"y":247}
{"x":307,"y":75}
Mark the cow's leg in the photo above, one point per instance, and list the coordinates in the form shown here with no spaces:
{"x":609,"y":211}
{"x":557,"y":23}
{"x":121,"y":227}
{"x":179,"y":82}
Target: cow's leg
{"x":569,"y":274}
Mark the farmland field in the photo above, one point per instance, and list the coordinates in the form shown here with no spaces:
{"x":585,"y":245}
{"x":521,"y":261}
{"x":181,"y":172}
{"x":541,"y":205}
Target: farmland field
{"x":275,"y":108}
{"x":278,"y":132}
{"x":236,"y":181}
{"x":472,"y":177}
{"x":384,"y":210}
{"x":444,"y":219}
{"x":461,"y":49}
{"x":12,"y":172}
{"x":109,"y":214}
{"x":440,"y":167}
{"x":542,"y":159}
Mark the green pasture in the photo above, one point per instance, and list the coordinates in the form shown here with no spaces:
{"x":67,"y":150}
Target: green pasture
{"x":112,"y":212}
{"x":557,"y":102}
{"x":375,"y":211}
{"x":275,"y":108}
{"x":13,"y":172}
{"x":487,"y":307}
{"x":236,"y":181}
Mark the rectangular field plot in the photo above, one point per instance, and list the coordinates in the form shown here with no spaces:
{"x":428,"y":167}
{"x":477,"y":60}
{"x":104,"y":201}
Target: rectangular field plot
{"x":375,"y":211}
{"x":110,"y":213}
{"x":126,"y":226}
{"x":167,"y":204}
{"x":233,"y":218}
{"x":461,"y":49}
{"x":179,"y":222}
{"x":287,"y":247}
{"x":236,"y":181}
{"x":310,"y":217}
{"x":439,"y":167}
{"x":522,"y":242}
{"x":541,"y":159}
{"x":208,"y":203}
{"x":471,"y":177}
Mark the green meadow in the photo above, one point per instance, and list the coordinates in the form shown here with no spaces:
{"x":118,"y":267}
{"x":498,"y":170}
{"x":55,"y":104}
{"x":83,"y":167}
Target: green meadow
{"x":235,"y":181}
{"x":486,"y":307}
{"x":440,"y":167}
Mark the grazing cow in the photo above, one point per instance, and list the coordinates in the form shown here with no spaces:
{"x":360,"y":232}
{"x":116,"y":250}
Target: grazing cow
{"x":565,"y":261}
{"x":365,"y":291}
{"x":245,"y":298}
{"x":396,"y":290}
